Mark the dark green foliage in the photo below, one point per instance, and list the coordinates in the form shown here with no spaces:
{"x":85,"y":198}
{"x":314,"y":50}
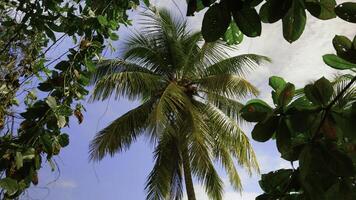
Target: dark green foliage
{"x":291,"y":12}
{"x":24,"y":42}
{"x":215,"y":22}
{"x":315,"y":128}
{"x":346,"y":11}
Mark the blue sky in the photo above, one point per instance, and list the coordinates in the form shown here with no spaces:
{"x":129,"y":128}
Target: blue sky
{"x":123,"y":176}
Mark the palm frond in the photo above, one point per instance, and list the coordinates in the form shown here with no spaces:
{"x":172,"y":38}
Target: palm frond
{"x":131,"y":84}
{"x":231,"y":86}
{"x":201,"y":158}
{"x":172,"y":104}
{"x":238,"y":65}
{"x":107,"y":67}
{"x":339,"y":83}
{"x":229,"y":107}
{"x":119,"y":135}
{"x":146,"y":51}
{"x":227,"y":162}
{"x":227,"y":132}
{"x":165,"y":179}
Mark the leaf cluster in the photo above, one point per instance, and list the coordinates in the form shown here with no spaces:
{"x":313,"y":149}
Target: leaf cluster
{"x":314,"y":126}
{"x":242,"y":16}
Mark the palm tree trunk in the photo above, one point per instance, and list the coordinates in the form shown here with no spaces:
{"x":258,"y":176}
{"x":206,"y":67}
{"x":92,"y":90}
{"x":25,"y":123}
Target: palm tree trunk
{"x":188,"y":175}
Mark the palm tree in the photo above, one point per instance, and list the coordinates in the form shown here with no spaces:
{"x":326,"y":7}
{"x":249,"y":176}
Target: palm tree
{"x":190,"y":109}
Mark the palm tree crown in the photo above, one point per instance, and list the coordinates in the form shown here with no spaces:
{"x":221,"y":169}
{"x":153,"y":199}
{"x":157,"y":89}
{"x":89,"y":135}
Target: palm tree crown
{"x":189,"y":92}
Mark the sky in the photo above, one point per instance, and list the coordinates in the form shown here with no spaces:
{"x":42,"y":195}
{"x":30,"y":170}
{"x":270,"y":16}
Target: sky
{"x":123,"y":176}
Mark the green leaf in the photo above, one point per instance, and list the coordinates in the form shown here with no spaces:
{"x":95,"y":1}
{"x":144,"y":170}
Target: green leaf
{"x":90,"y":65}
{"x":341,"y":44}
{"x":277,"y":83}
{"x":63,"y":65}
{"x":276,"y":181}
{"x":146,"y":2}
{"x":274,"y":10}
{"x":286,"y":95}
{"x":248,"y":21}
{"x":346,"y":11}
{"x":338,"y":162}
{"x":233,"y":35}
{"x":10,"y":185}
{"x":114,"y":36}
{"x":19,"y":160}
{"x":336,"y":62}
{"x":51,"y":101}
{"x":354,"y":43}
{"x":215,"y":22}
{"x":255,"y":110}
{"x":102,"y":20}
{"x":63,"y":140}
{"x":50,"y":33}
{"x":303,"y":117}
{"x":294,"y":21}
{"x":322,"y":9}
{"x":283,"y":139}
{"x":320,"y":92}
{"x":264,"y":130}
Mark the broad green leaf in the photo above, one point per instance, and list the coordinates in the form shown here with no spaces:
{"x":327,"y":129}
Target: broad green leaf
{"x":63,"y":65}
{"x":302,"y":116}
{"x":19,"y":160}
{"x":338,"y":162}
{"x":354,"y":43}
{"x":345,"y":123}
{"x":277,"y":83}
{"x":233,"y":35}
{"x":248,"y":21}
{"x":336,"y":62}
{"x":294,"y":21}
{"x":276,"y":181}
{"x":346,"y":11}
{"x":320,"y":92}
{"x":63,"y":140}
{"x":283,"y":140}
{"x":344,"y":48}
{"x":340,"y":190}
{"x":274,"y":10}
{"x":322,"y":9}
{"x":51,"y":101}
{"x":341,"y":44}
{"x":255,"y":110}
{"x":286,"y":94}
{"x":50,"y":33}
{"x":10,"y":185}
{"x":215,"y":22}
{"x":264,"y":130}
{"x":102,"y":20}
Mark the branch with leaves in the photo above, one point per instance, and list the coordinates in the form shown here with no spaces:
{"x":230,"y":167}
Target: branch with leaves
{"x":315,"y":128}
